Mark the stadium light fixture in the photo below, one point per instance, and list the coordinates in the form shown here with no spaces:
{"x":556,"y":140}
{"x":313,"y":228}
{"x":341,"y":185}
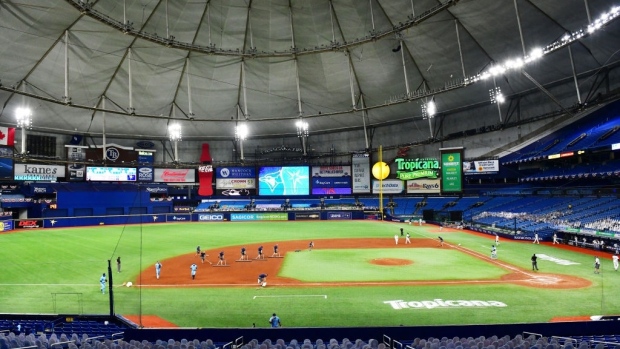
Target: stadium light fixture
{"x":429,"y":109}
{"x":302,"y":128}
{"x":241,"y":132}
{"x":174,"y":132}
{"x":24,"y":117}
{"x":496,"y":95}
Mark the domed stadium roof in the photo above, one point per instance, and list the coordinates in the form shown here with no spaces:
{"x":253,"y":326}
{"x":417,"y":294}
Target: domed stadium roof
{"x":129,"y":68}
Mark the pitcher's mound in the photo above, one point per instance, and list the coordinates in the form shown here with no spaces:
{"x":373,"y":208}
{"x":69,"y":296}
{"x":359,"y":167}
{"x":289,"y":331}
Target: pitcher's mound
{"x":391,"y":261}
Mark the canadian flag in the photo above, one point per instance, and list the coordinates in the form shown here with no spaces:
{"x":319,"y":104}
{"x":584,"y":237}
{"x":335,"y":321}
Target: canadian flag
{"x":7,"y":136}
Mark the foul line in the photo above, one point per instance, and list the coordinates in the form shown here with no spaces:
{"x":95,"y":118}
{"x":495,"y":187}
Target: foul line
{"x":293,"y":295}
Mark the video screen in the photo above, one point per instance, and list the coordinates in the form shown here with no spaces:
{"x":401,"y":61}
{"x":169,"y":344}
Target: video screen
{"x":331,"y":180}
{"x":111,"y":174}
{"x":284,"y":180}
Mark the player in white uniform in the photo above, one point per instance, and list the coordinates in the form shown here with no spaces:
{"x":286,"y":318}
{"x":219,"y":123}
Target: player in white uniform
{"x":597,"y":266}
{"x":396,"y":239}
{"x":157,"y":269}
{"x":536,"y":240}
{"x":615,"y":260}
{"x":496,"y":240}
{"x":555,"y":239}
{"x":407,"y":241}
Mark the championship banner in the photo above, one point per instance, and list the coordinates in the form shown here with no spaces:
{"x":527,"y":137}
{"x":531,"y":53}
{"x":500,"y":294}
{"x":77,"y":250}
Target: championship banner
{"x":451,"y":170}
{"x":175,"y":175}
{"x":361,"y":173}
{"x":331,"y":180}
{"x":423,"y":186}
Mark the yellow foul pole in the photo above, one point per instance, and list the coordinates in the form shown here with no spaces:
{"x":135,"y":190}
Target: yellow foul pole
{"x":381,"y":182}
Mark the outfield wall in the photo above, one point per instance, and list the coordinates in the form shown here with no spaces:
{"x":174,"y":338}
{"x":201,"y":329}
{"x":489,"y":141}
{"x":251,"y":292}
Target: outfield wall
{"x":585,"y":328}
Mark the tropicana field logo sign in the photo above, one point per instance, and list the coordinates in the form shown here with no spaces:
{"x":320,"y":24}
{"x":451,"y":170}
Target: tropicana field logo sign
{"x":440,"y":303}
{"x":407,"y":169}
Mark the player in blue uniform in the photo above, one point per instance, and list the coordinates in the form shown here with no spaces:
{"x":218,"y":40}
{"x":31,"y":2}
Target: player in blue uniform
{"x":260,"y":253}
{"x":262,"y":279}
{"x":244,"y":256}
{"x":221,"y":260}
{"x":275,"y":251}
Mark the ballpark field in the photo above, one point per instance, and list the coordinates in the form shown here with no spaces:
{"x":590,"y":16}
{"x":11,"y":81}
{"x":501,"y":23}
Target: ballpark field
{"x":356,"y":275}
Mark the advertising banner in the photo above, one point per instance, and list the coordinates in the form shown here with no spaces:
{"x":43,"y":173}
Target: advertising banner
{"x":179,"y":218}
{"x":6,"y":225}
{"x":339,"y":215}
{"x":155,"y":189}
{"x":390,"y":186}
{"x":205,"y":177}
{"x":236,"y":192}
{"x":451,"y":170}
{"x":211,"y":217}
{"x":235,"y":172}
{"x":423,"y":186}
{"x":113,"y":152}
{"x":361,"y":173}
{"x":330,"y":180}
{"x":175,"y":175}
{"x":259,"y":216}
{"x":181,"y":209}
{"x":307,"y":216}
{"x":29,"y":224}
{"x":32,"y":172}
{"x":146,"y":174}
{"x":480,"y":167}
{"x":235,"y":183}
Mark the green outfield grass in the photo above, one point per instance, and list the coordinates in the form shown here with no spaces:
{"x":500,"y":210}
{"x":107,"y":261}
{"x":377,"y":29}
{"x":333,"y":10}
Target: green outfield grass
{"x":57,"y":271}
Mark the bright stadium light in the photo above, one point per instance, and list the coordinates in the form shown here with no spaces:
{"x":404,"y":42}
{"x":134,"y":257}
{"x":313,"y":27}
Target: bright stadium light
{"x":241,"y":132}
{"x":24,"y":117}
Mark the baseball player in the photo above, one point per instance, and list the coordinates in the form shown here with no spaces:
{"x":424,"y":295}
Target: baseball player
{"x":198,"y":250}
{"x":102,"y":281}
{"x":597,"y":266}
{"x":493,"y":252}
{"x":536,"y":240}
{"x":401,"y":232}
{"x":260,"y":252}
{"x":275,"y":251}
{"x":440,"y":241}
{"x":310,"y":245}
{"x":262,"y":279}
{"x":396,"y":239}
{"x":203,"y":254}
{"x":407,"y":240}
{"x":193,"y":268}
{"x":555,"y":239}
{"x":614,"y":258}
{"x":496,"y":240}
{"x":244,"y":256}
{"x":221,"y":260}
{"x":157,"y":269}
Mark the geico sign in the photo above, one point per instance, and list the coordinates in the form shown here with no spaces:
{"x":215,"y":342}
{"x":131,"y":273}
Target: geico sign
{"x":211,"y":217}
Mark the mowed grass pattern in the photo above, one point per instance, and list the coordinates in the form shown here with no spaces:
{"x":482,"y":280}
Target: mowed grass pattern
{"x":355,"y":265}
{"x":39,"y":265}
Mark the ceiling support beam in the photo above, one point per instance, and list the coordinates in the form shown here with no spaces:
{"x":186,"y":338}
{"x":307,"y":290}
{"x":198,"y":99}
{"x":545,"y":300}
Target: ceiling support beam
{"x":66,"y":97}
{"x":572,"y":65}
{"x":131,"y":109}
{"x":458,"y":40}
{"x":520,"y":29}
{"x":545,"y":91}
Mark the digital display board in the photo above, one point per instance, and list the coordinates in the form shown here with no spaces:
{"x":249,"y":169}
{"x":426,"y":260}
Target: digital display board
{"x":331,"y":180}
{"x":284,"y":180}
{"x":111,"y":174}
